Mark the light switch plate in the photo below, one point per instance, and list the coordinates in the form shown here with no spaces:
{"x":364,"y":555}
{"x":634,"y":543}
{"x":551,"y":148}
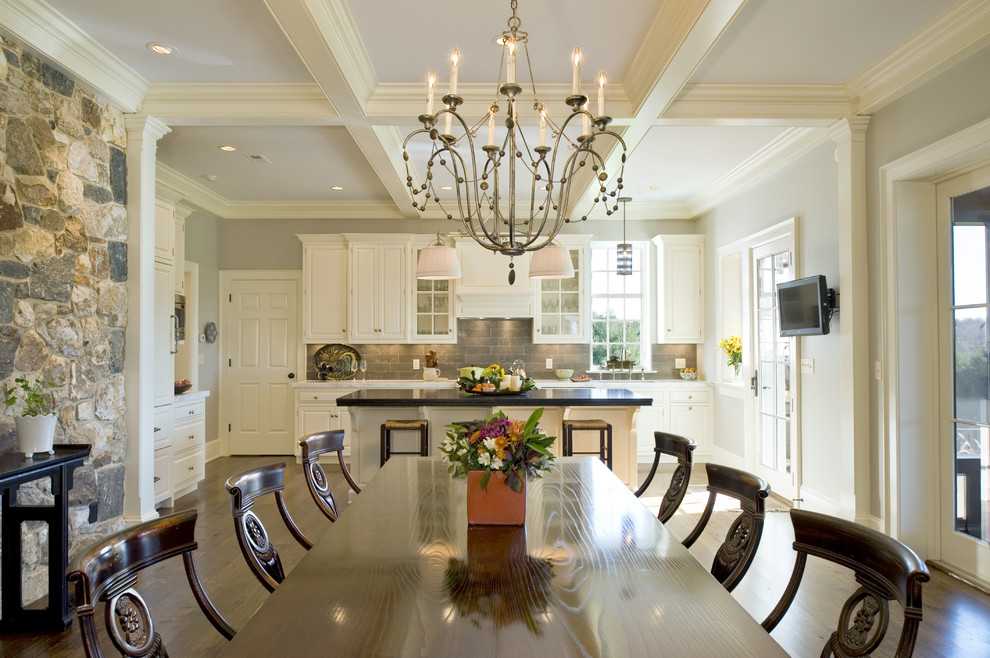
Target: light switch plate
{"x":202,"y":359}
{"x":549,"y":363}
{"x":807,"y":366}
{"x":415,"y":364}
{"x":680,"y":363}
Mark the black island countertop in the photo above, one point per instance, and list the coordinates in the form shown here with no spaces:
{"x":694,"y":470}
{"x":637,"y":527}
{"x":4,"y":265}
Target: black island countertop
{"x":549,"y":397}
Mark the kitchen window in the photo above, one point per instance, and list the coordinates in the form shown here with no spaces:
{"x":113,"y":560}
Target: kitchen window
{"x":620,"y":307}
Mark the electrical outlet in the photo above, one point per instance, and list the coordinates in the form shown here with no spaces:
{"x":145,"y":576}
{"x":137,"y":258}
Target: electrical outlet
{"x":680,"y":363}
{"x":808,"y":366}
{"x":415,"y":364}
{"x":549,"y":363}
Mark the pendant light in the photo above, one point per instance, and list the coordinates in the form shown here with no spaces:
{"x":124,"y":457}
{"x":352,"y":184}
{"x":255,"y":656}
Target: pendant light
{"x":623,"y":251}
{"x":551,"y":262}
{"x":438,"y":262}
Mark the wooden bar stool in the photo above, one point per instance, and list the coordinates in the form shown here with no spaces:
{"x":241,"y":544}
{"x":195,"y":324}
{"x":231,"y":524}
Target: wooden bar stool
{"x":417,"y":425}
{"x":593,"y":424}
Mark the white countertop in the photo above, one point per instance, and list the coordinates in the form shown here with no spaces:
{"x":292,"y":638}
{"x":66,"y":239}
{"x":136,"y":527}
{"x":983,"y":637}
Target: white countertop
{"x":191,"y":396}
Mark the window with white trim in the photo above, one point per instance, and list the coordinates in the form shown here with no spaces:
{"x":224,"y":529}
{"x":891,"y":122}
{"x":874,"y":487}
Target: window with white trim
{"x":620,"y":307}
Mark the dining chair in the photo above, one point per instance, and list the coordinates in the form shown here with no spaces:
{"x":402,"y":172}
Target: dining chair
{"x":682,"y":449}
{"x":736,"y":553}
{"x":258,"y":550}
{"x":885,"y":569}
{"x":313,"y":446}
{"x":108,"y":570}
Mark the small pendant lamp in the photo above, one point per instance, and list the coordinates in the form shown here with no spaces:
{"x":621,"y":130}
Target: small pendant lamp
{"x":623,"y":253}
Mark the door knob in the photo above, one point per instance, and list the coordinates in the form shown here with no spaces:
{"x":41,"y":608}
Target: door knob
{"x":292,"y":375}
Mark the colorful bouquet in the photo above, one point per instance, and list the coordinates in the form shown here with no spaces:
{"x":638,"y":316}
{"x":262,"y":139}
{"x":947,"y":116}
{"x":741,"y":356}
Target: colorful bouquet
{"x":516,"y":448}
{"x":490,"y":379}
{"x":732,"y":346}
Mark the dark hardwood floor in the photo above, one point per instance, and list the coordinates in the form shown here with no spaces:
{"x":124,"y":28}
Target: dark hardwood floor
{"x":956,"y":617}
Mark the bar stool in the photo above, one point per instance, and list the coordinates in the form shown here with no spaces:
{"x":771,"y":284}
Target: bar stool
{"x":595,"y":424}
{"x":417,"y":425}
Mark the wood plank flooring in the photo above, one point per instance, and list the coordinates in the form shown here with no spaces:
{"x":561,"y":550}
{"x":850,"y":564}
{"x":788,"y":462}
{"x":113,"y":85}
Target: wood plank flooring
{"x":956,"y":617}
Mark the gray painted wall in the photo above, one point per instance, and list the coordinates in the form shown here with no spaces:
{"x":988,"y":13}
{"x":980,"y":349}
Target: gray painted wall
{"x":203,"y":247}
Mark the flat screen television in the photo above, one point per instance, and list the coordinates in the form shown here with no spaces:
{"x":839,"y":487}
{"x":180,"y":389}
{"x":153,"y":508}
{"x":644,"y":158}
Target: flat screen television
{"x":804,"y":306}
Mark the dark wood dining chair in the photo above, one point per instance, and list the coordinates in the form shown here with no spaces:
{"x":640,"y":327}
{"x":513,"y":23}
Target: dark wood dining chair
{"x":313,"y":446}
{"x":736,"y":553}
{"x":258,"y":550}
{"x":682,"y":449}
{"x":108,"y":570}
{"x":885,"y":568}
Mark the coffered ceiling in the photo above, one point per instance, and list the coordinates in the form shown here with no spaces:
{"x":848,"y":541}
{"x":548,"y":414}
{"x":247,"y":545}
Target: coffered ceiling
{"x":710,"y":95}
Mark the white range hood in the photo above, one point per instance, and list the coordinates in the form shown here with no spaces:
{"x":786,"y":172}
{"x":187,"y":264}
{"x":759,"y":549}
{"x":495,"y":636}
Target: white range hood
{"x":483,"y":291}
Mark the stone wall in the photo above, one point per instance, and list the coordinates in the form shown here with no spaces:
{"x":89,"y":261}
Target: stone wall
{"x":63,"y":268}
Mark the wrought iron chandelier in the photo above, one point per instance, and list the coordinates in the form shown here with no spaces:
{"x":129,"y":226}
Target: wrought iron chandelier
{"x":483,"y":194}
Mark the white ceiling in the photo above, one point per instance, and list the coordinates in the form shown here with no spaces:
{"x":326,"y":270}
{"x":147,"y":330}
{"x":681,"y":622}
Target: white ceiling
{"x":708,"y":93}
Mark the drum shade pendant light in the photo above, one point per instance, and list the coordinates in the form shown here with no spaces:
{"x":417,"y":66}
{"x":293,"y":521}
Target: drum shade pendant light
{"x":551,"y":262}
{"x":497,"y":213}
{"x":438,"y":262}
{"x":623,"y":251}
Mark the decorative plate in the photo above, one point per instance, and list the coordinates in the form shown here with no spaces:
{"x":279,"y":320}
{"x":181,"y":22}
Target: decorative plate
{"x":336,"y":361}
{"x":211,"y":332}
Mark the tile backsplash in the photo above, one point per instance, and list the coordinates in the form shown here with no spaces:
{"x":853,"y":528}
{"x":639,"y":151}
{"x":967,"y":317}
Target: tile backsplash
{"x":484,"y":341}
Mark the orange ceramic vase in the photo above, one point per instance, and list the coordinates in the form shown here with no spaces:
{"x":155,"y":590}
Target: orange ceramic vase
{"x":497,"y":504}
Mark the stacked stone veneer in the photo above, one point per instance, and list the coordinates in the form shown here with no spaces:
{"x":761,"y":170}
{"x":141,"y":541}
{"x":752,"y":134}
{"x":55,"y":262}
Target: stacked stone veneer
{"x":63,"y":271}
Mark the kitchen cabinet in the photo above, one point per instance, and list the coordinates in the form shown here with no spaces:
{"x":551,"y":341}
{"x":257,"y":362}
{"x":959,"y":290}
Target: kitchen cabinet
{"x":317,"y":411}
{"x":164,"y":346}
{"x":650,"y":419}
{"x":484,"y":290}
{"x":324,"y":307}
{"x":680,"y":289}
{"x":164,"y":232}
{"x":188,"y":443}
{"x":432,"y":306}
{"x":378,"y":279}
{"x":179,"y":215}
{"x":163,"y":455}
{"x":561,"y":307}
{"x":690,"y":414}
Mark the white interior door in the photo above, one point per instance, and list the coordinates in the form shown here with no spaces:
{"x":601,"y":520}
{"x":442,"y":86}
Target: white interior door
{"x":262,"y":352}
{"x":773,"y":379}
{"x":963,"y":218}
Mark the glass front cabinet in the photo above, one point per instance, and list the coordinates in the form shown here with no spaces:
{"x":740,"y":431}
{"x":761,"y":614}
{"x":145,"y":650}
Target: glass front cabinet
{"x":561,"y":309}
{"x":432,"y":306}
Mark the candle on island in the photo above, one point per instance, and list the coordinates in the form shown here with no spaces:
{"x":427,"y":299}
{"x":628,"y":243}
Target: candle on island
{"x":601,"y":93}
{"x":431,"y":82}
{"x":576,"y":77}
{"x":510,"y":65}
{"x":455,"y":58}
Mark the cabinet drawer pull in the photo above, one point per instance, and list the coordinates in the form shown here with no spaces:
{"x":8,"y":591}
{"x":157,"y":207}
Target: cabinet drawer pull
{"x":690,"y":408}
{"x":158,"y":429}
{"x":192,"y":468}
{"x":316,"y":397}
{"x":191,"y":412}
{"x":192,"y":436}
{"x":157,"y":478}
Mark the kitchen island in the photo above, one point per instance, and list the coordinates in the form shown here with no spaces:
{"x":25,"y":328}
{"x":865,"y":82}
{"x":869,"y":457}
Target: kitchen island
{"x":369,"y":408}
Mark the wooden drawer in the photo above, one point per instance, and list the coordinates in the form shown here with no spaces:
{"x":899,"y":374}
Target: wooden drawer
{"x":311,"y":395}
{"x":188,"y":469}
{"x":188,"y":412}
{"x":189,"y":436}
{"x":163,"y":427}
{"x":163,"y":464}
{"x":695,"y":397}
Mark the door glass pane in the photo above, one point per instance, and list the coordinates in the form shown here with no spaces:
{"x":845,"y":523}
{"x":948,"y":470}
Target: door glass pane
{"x":970,"y":364}
{"x":969,"y":264}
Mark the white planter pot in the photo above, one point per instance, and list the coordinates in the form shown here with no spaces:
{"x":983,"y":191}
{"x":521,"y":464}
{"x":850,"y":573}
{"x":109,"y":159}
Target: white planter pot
{"x":36,"y":433}
{"x":430,"y":374}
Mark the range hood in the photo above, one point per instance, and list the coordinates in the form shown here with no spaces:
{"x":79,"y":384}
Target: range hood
{"x":483,"y":291}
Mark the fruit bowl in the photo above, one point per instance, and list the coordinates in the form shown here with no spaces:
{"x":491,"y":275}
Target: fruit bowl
{"x":182,"y":387}
{"x":690,"y":376}
{"x":563,"y":373}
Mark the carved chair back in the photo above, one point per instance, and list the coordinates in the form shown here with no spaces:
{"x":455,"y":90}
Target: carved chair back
{"x":885,"y":568}
{"x":682,"y":449}
{"x":107,"y":572}
{"x":313,"y":446}
{"x":259,"y":552}
{"x":736,"y":553}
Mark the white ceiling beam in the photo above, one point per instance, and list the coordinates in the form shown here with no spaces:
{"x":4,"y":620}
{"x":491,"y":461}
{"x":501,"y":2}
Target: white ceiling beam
{"x":240,"y":104}
{"x":68,"y":47}
{"x":757,"y":105}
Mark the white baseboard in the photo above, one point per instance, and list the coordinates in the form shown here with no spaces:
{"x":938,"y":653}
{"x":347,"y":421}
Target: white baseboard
{"x":213,"y":450}
{"x":723,"y":456}
{"x":817,"y":502}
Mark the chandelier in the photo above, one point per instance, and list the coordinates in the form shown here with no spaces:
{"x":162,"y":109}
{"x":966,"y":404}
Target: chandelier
{"x":485,"y":189}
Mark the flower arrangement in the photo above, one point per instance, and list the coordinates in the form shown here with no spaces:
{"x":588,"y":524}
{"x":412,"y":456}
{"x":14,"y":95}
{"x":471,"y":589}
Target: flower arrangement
{"x":732,"y":346}
{"x":480,"y":380}
{"x":513,"y":447}
{"x":34,"y":396}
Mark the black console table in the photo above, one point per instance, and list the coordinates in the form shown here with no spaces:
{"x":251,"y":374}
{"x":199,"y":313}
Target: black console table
{"x":15,"y":470}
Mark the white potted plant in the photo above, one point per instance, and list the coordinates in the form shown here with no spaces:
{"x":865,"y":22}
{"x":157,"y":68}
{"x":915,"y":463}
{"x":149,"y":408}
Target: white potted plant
{"x":37,"y":419}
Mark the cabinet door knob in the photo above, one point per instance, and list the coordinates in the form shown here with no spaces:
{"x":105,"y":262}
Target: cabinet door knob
{"x":192,"y":468}
{"x":191,"y":412}
{"x":158,"y":429}
{"x":192,"y":436}
{"x":316,"y":397}
{"x":292,"y":375}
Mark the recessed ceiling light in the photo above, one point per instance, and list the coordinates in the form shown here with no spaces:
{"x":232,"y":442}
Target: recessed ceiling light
{"x":654,"y":187}
{"x":228,"y":147}
{"x":161,"y":48}
{"x":210,"y":177}
{"x":336,"y":188}
{"x":446,"y":187}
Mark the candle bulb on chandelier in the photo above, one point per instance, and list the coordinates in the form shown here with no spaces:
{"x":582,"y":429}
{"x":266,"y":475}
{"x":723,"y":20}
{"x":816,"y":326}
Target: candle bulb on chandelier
{"x":510,"y":63}
{"x":601,"y":93}
{"x":446,"y":121}
{"x":455,"y":58}
{"x":491,"y":128}
{"x":431,"y":82}
{"x":585,"y":120}
{"x":543,"y":126}
{"x":576,"y":77}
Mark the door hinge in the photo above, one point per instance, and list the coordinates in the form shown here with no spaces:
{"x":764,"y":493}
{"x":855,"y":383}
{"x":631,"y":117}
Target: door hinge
{"x":230,"y":363}
{"x":228,"y":427}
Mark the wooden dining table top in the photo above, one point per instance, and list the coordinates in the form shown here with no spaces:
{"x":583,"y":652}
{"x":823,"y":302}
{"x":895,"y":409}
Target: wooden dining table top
{"x":592,"y":573}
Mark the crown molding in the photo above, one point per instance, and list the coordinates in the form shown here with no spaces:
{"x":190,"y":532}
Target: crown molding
{"x":61,"y":41}
{"x":948,"y":39}
{"x":780,"y":152}
{"x":758,"y":104}
{"x":312,"y":210}
{"x":188,"y":190}
{"x":203,"y":104}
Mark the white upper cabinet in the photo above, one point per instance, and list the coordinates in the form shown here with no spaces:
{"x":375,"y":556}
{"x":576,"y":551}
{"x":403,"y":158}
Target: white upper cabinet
{"x":484,"y":289}
{"x":561,"y":305}
{"x":378,"y":280}
{"x":432,"y":309}
{"x":680,"y":289}
{"x":324,"y":307}
{"x":179,"y":219}
{"x":164,"y":232}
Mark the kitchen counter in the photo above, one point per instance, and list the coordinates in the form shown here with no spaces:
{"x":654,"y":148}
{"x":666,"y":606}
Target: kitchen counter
{"x":449,"y":397}
{"x":540,"y":383}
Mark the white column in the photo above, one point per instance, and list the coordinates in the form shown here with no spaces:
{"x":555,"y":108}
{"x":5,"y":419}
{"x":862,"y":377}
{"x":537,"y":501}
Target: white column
{"x":143,"y":133}
{"x":849,"y":135}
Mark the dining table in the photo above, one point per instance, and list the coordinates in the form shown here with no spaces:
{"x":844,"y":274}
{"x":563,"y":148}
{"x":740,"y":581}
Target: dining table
{"x":591,"y":573}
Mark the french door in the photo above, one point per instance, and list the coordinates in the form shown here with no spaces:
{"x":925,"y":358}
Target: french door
{"x":773,"y":377}
{"x":963,"y":215}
